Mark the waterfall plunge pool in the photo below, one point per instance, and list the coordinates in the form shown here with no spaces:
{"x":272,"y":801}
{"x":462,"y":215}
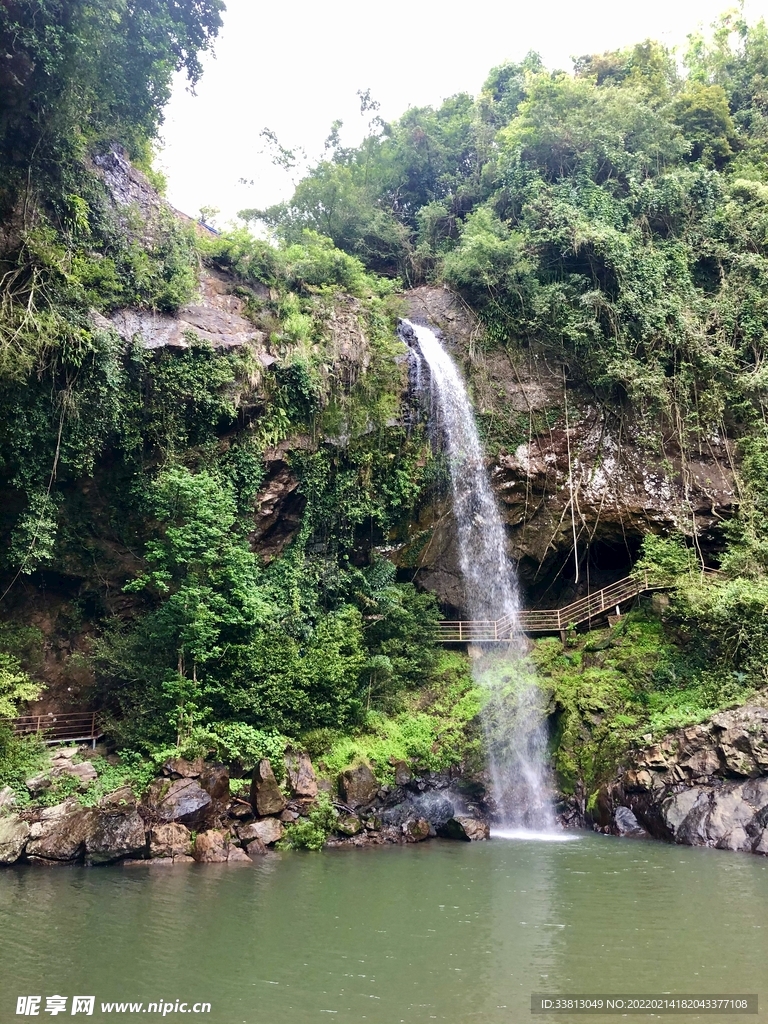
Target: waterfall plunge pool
{"x":461,"y":933}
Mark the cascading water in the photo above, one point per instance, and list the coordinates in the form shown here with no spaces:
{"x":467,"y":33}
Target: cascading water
{"x":513,"y":718}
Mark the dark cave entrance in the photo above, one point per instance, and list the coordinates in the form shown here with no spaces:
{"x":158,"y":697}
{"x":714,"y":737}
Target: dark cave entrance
{"x":555,"y":582}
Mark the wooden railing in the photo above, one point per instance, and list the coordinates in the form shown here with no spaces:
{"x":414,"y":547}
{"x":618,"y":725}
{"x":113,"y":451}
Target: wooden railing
{"x":554,"y":620}
{"x":76,"y":726}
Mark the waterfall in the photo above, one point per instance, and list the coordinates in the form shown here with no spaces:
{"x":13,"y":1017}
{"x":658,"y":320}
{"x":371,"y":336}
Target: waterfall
{"x":513,"y":718}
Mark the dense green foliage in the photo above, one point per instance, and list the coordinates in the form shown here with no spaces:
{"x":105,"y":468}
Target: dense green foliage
{"x":615,"y":216}
{"x":616,"y":688}
{"x":136,"y":471}
{"x":75,"y":73}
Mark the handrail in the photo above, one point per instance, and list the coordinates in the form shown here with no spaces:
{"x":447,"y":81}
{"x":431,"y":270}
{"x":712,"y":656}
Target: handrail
{"x":57,"y":728}
{"x":551,"y":620}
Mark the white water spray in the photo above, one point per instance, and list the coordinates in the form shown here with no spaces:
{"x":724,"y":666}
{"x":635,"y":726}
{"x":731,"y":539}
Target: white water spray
{"x":513,"y":718}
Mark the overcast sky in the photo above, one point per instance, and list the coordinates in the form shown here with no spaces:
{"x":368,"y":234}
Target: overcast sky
{"x":295,"y":67}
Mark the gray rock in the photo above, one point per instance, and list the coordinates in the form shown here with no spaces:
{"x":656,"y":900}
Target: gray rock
{"x":49,"y":813}
{"x":84,"y":771}
{"x":436,"y":809}
{"x":358,"y":786}
{"x":678,"y":806}
{"x":37,"y":784}
{"x":301,"y":775}
{"x":266,"y":795}
{"x":115,"y":836}
{"x":462,"y":827}
{"x":182,"y":800}
{"x":627,"y":824}
{"x":267,"y":831}
{"x":13,"y":838}
{"x":62,"y":837}
{"x":7,"y":797}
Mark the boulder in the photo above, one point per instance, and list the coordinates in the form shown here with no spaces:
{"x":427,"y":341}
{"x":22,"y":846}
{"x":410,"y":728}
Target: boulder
{"x":114,"y":836}
{"x":255,"y":847}
{"x":237,"y":856}
{"x":301,"y":775}
{"x":123,"y":799}
{"x":13,"y":838}
{"x":266,"y":796}
{"x":468,"y":829}
{"x":627,"y":824}
{"x":7,"y":797}
{"x":169,"y":841}
{"x":437,"y":810}
{"x":214,"y":779}
{"x":358,"y":786}
{"x":182,"y":800}
{"x":63,"y":763}
{"x":181,"y":768}
{"x":403,"y":773}
{"x":416,"y":830}
{"x":267,"y":830}
{"x":240,"y":809}
{"x":84,"y":771}
{"x":37,"y":784}
{"x":49,"y":813}
{"x":61,"y":837}
{"x":348,"y":824}
{"x":211,"y":847}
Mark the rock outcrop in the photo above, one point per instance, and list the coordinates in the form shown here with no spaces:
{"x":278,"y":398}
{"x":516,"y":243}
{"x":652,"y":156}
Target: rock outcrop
{"x":182,"y":800}
{"x":13,"y":838}
{"x":188,"y":815}
{"x":706,"y":785}
{"x":113,"y":836}
{"x":463,"y":827}
{"x":266,"y":795}
{"x":358,"y":786}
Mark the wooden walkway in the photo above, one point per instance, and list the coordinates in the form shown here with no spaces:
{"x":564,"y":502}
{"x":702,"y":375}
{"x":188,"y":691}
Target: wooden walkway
{"x":72,"y":727}
{"x":554,"y":620}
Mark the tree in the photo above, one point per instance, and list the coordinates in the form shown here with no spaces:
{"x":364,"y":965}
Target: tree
{"x":77,"y":72}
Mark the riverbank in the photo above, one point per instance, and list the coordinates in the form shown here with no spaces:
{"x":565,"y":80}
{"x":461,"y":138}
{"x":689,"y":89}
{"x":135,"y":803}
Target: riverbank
{"x":704,"y":785}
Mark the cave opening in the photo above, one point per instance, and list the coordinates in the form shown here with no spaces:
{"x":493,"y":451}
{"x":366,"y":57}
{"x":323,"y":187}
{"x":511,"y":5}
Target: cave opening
{"x":556,"y":581}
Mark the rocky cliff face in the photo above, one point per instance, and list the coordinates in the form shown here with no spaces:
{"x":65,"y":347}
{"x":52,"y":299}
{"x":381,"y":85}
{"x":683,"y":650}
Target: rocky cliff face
{"x":706,"y":785}
{"x":589,"y":472}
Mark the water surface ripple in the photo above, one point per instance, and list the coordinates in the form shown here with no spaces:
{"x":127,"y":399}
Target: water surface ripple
{"x":442,"y":931}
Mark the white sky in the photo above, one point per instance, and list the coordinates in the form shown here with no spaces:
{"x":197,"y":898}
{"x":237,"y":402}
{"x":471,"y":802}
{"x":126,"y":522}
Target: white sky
{"x":295,"y":67}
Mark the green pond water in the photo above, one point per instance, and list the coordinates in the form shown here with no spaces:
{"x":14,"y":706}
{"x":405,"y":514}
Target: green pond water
{"x":439,"y":931}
